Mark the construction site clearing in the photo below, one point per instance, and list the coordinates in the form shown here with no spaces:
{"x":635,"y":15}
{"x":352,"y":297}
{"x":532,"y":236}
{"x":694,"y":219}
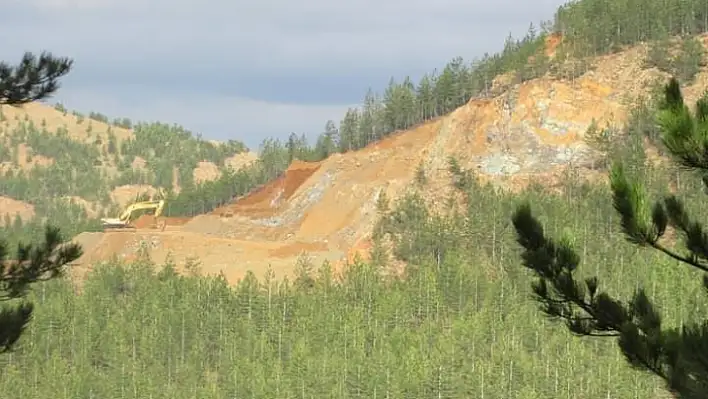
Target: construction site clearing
{"x":327,"y":209}
{"x":255,"y":231}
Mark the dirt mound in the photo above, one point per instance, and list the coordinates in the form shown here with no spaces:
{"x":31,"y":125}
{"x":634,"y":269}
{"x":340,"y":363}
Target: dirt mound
{"x":175,"y":221}
{"x":297,"y":248}
{"x":231,"y":258}
{"x":148,"y":221}
{"x":144,"y":222}
{"x":265,"y":200}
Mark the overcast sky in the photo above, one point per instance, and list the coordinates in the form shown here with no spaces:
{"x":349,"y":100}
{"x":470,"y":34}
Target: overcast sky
{"x":251,"y":69}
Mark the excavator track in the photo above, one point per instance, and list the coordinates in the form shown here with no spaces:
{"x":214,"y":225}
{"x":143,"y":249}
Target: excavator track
{"x":119,"y":228}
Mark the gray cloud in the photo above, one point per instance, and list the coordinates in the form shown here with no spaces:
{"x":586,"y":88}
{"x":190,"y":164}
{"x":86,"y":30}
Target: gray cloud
{"x":235,"y":64}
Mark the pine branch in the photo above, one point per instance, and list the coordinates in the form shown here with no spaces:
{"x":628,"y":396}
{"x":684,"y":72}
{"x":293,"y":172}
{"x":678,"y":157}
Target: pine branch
{"x":35,"y":78}
{"x":678,"y":356}
{"x":31,"y":265}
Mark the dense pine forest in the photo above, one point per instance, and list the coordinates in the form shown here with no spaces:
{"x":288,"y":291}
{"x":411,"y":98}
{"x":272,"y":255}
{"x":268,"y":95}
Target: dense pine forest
{"x":458,"y":323}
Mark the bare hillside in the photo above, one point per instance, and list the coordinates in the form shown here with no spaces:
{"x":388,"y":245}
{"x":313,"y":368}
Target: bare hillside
{"x":327,"y":209}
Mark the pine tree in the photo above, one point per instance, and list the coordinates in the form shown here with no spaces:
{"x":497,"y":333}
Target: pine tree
{"x":677,"y":355}
{"x":35,"y":78}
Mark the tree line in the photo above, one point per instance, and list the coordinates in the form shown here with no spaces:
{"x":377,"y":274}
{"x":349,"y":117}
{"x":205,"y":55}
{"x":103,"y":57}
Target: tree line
{"x":456,"y":322}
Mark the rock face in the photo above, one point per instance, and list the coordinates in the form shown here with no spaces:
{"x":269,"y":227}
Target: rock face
{"x":328,"y":209}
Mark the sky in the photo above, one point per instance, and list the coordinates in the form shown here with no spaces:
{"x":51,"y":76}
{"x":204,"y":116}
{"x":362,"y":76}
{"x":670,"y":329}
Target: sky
{"x":251,"y":70}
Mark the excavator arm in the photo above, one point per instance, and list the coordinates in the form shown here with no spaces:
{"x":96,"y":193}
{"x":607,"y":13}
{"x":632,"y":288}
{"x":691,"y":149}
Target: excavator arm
{"x":157,"y":205}
{"x":124,"y":219}
{"x":160,"y":208}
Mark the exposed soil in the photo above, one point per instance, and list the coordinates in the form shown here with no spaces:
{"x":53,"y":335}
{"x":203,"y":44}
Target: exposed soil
{"x":534,"y":130}
{"x":297,"y":248}
{"x":265,"y":200}
{"x":148,"y":221}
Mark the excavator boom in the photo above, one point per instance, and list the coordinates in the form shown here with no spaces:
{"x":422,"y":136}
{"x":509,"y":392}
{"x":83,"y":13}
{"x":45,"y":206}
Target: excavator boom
{"x":125,"y":217}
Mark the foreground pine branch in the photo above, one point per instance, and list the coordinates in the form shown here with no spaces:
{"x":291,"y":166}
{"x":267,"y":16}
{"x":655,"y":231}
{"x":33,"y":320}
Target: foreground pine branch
{"x":35,"y":78}
{"x":678,"y":356}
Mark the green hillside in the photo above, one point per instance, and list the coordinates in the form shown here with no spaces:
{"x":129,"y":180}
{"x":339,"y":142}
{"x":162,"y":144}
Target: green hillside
{"x":91,"y":162}
{"x":459,"y":323}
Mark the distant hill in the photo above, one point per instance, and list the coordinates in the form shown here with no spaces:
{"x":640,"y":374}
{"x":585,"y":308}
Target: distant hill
{"x":51,"y":157}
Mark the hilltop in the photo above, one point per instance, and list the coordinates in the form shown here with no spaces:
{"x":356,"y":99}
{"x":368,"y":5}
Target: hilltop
{"x":88,"y":167}
{"x":524,"y":131}
{"x":35,"y":135}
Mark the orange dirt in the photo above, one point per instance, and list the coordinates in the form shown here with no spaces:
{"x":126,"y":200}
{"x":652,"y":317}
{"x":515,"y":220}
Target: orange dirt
{"x":175,"y":221}
{"x":552,"y":42}
{"x":264,"y":200}
{"x":297,"y":248}
{"x":144,"y":222}
{"x":532,"y":130}
{"x":148,"y":221}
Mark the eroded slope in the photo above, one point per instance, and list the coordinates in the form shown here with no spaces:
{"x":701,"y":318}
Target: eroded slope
{"x":328,"y":209}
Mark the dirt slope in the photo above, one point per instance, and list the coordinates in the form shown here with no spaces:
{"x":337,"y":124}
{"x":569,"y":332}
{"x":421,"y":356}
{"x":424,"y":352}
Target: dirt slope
{"x":81,"y":129}
{"x":327,"y":209}
{"x":268,"y":199}
{"x":47,"y":116}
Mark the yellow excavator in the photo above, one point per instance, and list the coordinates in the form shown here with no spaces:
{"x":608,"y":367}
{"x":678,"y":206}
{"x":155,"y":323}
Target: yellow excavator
{"x":123,"y":221}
